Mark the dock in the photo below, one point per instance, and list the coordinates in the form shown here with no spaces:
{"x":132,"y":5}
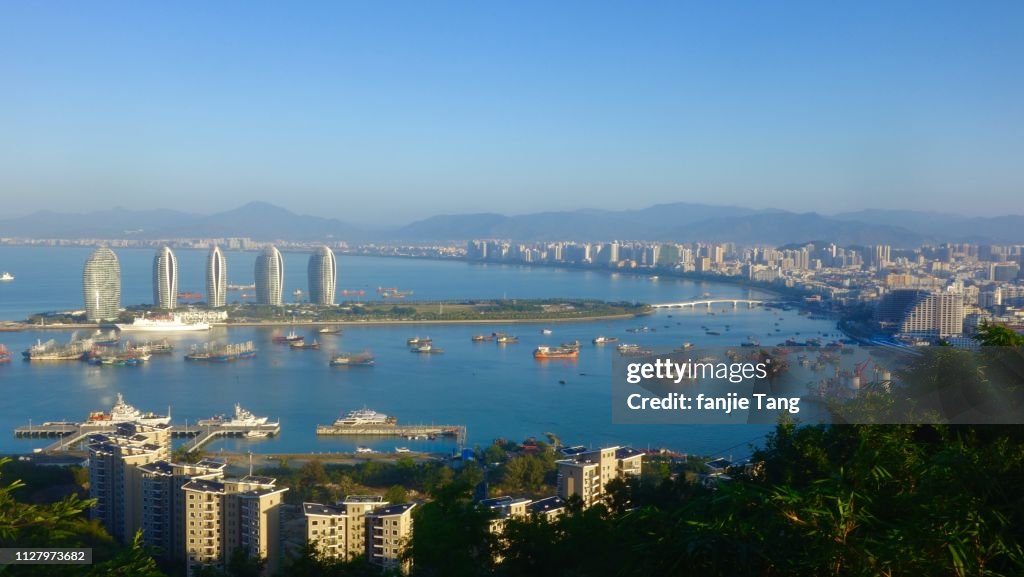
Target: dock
{"x":457,"y":431}
{"x":70,"y":434}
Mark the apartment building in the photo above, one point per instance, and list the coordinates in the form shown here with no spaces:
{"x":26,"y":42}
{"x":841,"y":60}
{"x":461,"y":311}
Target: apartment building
{"x":163,"y":503}
{"x":225,"y":515}
{"x":360,"y":525}
{"x":586,"y":473}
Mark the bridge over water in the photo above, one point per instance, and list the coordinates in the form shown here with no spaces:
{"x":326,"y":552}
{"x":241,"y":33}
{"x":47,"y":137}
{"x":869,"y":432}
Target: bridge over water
{"x":751,"y":303}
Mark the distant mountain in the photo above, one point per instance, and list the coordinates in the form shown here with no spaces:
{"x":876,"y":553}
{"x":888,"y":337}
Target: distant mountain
{"x":944,"y":227}
{"x":257,"y":220}
{"x":681,"y":222}
{"x":663,"y":220}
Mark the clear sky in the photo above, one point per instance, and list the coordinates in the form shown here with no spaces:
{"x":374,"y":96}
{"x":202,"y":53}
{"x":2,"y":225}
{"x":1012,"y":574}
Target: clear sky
{"x":384,"y":112}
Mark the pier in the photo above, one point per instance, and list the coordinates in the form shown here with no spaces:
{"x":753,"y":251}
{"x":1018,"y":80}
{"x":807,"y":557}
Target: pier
{"x":70,"y":434}
{"x":457,"y":431}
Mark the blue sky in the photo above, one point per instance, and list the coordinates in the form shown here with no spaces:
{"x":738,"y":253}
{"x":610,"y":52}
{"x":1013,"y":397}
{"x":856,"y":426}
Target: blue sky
{"x":384,"y":112}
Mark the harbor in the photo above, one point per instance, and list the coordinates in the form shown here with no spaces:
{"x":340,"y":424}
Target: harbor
{"x":70,"y":434}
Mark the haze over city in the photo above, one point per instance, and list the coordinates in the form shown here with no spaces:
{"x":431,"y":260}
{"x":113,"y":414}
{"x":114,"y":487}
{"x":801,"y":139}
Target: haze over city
{"x":384,"y":114}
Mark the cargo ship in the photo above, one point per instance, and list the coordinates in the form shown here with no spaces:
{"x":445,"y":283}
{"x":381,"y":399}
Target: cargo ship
{"x":546,"y":352}
{"x":170,"y":323}
{"x":352,"y":360}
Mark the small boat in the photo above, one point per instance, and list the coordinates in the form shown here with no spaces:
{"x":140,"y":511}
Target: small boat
{"x":418,"y":341}
{"x":352,"y":360}
{"x":482,"y":338}
{"x":605,"y":340}
{"x":364,"y":450}
{"x":256,"y":434}
{"x":507,"y":339}
{"x":5,"y":355}
{"x":313,"y":346}
{"x":402,"y":450}
{"x":329,"y":331}
{"x":6,"y":276}
{"x":291,"y":337}
{"x":427,"y":349}
{"x":575,"y":345}
{"x":545,"y":332}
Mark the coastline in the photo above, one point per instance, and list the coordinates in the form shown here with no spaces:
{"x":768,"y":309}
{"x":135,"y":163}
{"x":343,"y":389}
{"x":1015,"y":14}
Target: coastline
{"x":383,"y":322}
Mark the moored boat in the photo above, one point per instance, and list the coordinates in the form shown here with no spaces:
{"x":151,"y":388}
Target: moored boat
{"x":365,"y":417}
{"x":352,"y":360}
{"x":291,"y":337}
{"x":122,"y":412}
{"x":546,"y":352}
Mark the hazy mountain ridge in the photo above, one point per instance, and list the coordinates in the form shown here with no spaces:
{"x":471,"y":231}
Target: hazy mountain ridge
{"x":681,"y":222}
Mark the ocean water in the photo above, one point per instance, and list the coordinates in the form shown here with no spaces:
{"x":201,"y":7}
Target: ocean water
{"x":494,"y":390}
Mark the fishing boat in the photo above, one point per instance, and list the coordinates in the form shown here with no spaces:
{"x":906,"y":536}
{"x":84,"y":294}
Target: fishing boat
{"x":605,"y":340}
{"x":109,"y":339}
{"x":51,"y":351}
{"x":291,"y":337}
{"x":427,"y":349}
{"x":402,"y":450}
{"x":352,"y":360}
{"x":545,"y":331}
{"x":300,"y":345}
{"x":329,"y":331}
{"x":507,"y":339}
{"x":418,"y":341}
{"x":482,"y":338}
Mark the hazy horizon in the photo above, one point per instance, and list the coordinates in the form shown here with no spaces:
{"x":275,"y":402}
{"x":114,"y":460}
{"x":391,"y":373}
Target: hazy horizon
{"x":386,"y":114}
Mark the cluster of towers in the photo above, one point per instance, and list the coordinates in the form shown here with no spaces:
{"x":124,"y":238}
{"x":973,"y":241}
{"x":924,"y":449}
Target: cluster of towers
{"x":101,"y":280}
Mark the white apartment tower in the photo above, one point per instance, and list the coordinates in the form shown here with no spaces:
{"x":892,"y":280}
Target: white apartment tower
{"x":269,"y":277}
{"x":323,"y":276}
{"x":216,"y":278}
{"x":101,"y":285}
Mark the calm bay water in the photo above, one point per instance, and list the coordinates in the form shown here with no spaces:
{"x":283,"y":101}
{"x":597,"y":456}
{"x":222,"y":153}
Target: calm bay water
{"x":496,"y":391}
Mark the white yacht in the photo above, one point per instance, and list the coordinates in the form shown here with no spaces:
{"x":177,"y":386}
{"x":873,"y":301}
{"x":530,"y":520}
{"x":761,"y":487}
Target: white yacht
{"x":122,"y":412}
{"x":172,"y":323}
{"x":241,"y":418}
{"x":364,"y":417}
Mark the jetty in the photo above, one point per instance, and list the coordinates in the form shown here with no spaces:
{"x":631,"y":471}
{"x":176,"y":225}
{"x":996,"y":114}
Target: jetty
{"x":384,"y":430}
{"x":70,"y":434}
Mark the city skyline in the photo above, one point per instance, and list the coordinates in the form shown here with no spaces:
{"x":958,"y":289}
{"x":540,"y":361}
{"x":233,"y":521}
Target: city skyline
{"x":528,"y":107}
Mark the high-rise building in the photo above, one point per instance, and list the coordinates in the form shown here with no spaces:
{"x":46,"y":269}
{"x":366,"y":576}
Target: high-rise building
{"x":269,"y":277}
{"x":587,"y":473}
{"x":163,"y":503}
{"x":165,"y":279}
{"x":101,"y":285}
{"x":114,"y":478}
{"x":323,"y":276}
{"x":360,"y":525}
{"x":216,"y":278}
{"x":223,"y":516}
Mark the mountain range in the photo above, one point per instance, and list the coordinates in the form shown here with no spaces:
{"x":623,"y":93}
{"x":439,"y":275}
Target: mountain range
{"x":681,"y":222}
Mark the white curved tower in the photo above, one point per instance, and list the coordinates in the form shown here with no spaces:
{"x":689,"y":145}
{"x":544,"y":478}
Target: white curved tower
{"x":165,"y":279}
{"x":101,"y":285}
{"x":323,"y":276}
{"x":269,"y":277}
{"x":216,"y":278}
